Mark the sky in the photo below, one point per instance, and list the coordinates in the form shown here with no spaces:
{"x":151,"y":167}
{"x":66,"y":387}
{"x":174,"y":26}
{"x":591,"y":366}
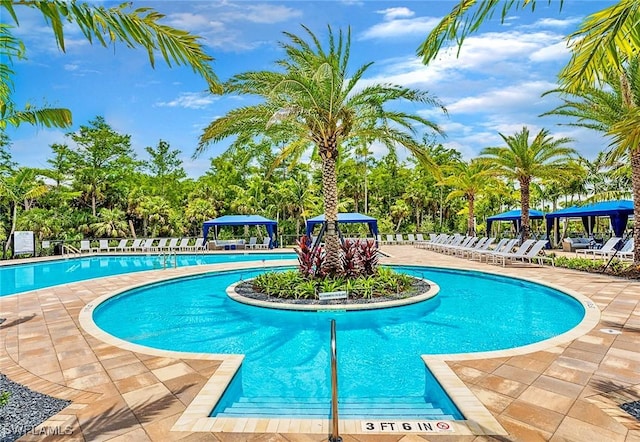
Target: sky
{"x":492,"y":86}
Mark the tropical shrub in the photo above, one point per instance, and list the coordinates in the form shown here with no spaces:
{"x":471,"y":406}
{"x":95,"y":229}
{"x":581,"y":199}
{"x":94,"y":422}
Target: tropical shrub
{"x":359,"y":257}
{"x":305,"y":257}
{"x":351,"y":258}
{"x":368,"y":257}
{"x":292,"y":285}
{"x":615,"y":267}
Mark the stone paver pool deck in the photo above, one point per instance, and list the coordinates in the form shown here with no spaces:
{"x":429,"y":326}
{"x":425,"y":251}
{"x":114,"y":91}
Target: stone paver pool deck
{"x":568,"y":391}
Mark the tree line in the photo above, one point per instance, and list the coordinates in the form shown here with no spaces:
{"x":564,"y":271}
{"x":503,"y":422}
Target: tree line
{"x":96,"y":187}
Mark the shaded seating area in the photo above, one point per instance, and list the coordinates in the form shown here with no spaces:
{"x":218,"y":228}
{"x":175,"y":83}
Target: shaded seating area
{"x":575,"y":244}
{"x":618,"y":212}
{"x":346,"y":218}
{"x":513,"y":216}
{"x":238,"y":220}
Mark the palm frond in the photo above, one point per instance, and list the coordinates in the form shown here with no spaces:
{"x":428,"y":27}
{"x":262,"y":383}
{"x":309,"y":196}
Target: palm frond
{"x":603,"y":42}
{"x":140,"y":27}
{"x":44,"y":117}
{"x":465,"y":19}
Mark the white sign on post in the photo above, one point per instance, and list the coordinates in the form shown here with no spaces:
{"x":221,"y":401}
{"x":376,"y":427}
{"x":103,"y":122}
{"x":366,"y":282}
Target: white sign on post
{"x":23,"y":243}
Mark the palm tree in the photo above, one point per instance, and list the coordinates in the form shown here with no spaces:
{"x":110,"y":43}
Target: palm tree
{"x":133,"y":28}
{"x":612,"y":107}
{"x":603,"y":46}
{"x":314,"y":101}
{"x":19,"y":189}
{"x":520,"y":160}
{"x":111,"y":224}
{"x":468,"y":180}
{"x":603,"y":42}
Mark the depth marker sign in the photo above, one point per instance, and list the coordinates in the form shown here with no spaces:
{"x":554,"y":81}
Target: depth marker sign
{"x":406,"y":427}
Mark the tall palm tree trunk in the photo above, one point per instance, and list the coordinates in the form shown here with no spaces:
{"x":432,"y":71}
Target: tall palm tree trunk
{"x":471,"y":231}
{"x":333,"y":261}
{"x":14,"y":221}
{"x":524,"y":202}
{"x":635,"y":185}
{"x":627,"y":98}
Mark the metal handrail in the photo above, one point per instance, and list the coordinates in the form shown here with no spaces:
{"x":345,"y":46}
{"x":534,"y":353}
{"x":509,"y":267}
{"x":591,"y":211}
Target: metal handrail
{"x":334,"y":437}
{"x":71,"y":249}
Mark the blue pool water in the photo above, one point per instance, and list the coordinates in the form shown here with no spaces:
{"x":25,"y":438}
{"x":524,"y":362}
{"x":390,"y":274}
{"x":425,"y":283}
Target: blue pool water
{"x":20,"y":278}
{"x":287,"y":353}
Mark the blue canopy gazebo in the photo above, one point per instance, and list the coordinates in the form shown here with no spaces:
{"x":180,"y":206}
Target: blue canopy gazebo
{"x":617,"y":211}
{"x":241,"y":220}
{"x":344,"y":218}
{"x":513,"y":215}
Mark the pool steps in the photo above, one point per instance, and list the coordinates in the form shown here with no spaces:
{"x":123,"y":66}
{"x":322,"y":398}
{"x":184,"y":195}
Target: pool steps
{"x":349,"y":408}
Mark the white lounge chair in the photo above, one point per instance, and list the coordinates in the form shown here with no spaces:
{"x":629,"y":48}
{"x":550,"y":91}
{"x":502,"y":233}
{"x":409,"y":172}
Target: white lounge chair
{"x":134,"y":246}
{"x":467,"y":241}
{"x":474,"y":244}
{"x":519,"y":253}
{"x":504,"y":245}
{"x":419,"y":237}
{"x":103,"y":245}
{"x":390,"y":240}
{"x":173,"y":244}
{"x":434,"y":239}
{"x":265,"y":243}
{"x":122,"y":245}
{"x":411,"y":238}
{"x":147,"y":244}
{"x":85,"y":246}
{"x":626,"y":252}
{"x":534,"y":253}
{"x":184,"y":243}
{"x":252,"y":242}
{"x":197,"y":245}
{"x":162,"y":243}
{"x":607,"y":248}
{"x":456,"y":240}
{"x":480,"y":246}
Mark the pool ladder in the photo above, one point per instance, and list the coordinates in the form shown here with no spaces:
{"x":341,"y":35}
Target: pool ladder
{"x":166,"y":258}
{"x":334,"y":436}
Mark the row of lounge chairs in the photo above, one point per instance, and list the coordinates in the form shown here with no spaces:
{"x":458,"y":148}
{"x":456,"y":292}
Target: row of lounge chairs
{"x":145,"y":245}
{"x":506,"y":250}
{"x":234,"y":244}
{"x":399,"y":238}
{"x":157,"y":245}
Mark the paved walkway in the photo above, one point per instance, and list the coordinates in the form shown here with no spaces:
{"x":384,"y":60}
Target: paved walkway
{"x":569,"y":392}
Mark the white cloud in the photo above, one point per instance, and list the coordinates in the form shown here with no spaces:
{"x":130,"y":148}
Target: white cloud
{"x":520,"y":95}
{"x":268,"y":13}
{"x":492,"y":55}
{"x":555,"y":52}
{"x":194,"y":22}
{"x":555,"y":23}
{"x":190,"y":100}
{"x":222,"y":25}
{"x":401,"y":28}
{"x":393,"y":13}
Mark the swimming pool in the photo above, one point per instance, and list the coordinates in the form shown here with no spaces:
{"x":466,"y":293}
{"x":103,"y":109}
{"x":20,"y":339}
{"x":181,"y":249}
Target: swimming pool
{"x":287,"y":352}
{"x":19,"y":278}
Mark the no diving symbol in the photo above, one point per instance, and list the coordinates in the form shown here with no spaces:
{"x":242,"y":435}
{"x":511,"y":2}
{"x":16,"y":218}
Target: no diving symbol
{"x":442,"y":425}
